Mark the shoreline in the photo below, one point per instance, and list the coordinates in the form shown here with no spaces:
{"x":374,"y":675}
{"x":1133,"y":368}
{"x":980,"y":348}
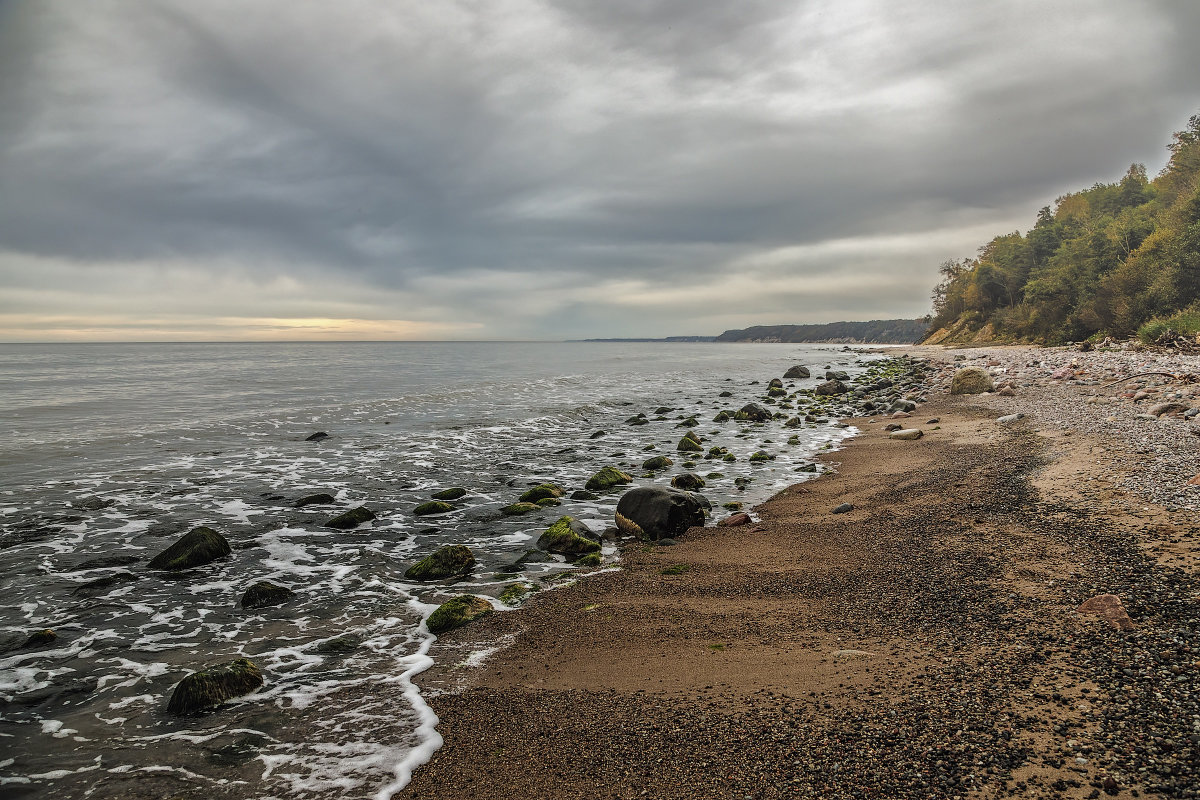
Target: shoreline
{"x":817,"y":655}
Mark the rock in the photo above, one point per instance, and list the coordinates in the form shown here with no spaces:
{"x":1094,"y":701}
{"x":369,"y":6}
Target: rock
{"x":1007,"y":391}
{"x":836,"y":375}
{"x":198,"y":546}
{"x":658,"y":462}
{"x":121,"y":576}
{"x":654,"y":512}
{"x":607,"y":478}
{"x":589,"y":560}
{"x":690,"y":422}
{"x":797,"y":372}
{"x":753,"y":412}
{"x":265,"y":593}
{"x":722,"y":416}
{"x":726,"y":393}
{"x":451,"y":561}
{"x":1009,"y":418}
{"x":318,"y":436}
{"x":761,"y":456}
{"x":517,"y":509}
{"x":584,"y":494}
{"x":541,"y":492}
{"x":529,"y":557}
{"x":843,"y":508}
{"x":339,"y":645}
{"x":1108,"y":607}
{"x":1172,"y":409}
{"x":432,"y":507}
{"x":453,"y":493}
{"x":688,"y":482}
{"x":598,"y":434}
{"x":320,"y":499}
{"x":777,"y":391}
{"x":92,"y":503}
{"x":351,"y":519}
{"x":734,"y":520}
{"x":546,"y":502}
{"x":104,"y":563}
{"x":903,"y":405}
{"x":830,"y":388}
{"x":908,"y":433}
{"x":774,"y":383}
{"x":514,"y":593}
{"x":640,"y":419}
{"x":971,"y":380}
{"x":211,"y":687}
{"x":39,"y":639}
{"x":457,"y":612}
{"x":568,"y":537}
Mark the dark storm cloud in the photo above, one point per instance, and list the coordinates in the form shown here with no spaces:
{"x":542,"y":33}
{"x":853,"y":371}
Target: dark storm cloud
{"x":553,"y":168}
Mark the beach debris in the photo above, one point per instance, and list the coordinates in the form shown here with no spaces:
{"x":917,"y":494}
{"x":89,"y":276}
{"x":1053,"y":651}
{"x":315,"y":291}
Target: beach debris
{"x":654,"y":512}
{"x":456,"y":612}
{"x":843,"y":508}
{"x":198,"y":546}
{"x":607,"y":478}
{"x":797,"y":372}
{"x":734,"y":520}
{"x":907,"y":433}
{"x":265,"y":593}
{"x":1008,"y":418}
{"x":451,"y":561}
{"x":317,"y":437}
{"x":971,"y":380}
{"x":319,"y":499}
{"x":568,"y":537}
{"x":211,"y":687}
{"x":453,"y":493}
{"x":433,"y":507}
{"x":351,"y":519}
{"x":1109,"y":608}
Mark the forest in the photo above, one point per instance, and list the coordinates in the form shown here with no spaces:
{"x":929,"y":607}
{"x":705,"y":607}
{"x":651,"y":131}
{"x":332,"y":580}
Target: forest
{"x":877,"y":331}
{"x":1117,"y":259}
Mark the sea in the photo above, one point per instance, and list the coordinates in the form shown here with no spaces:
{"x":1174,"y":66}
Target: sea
{"x":111,"y":452}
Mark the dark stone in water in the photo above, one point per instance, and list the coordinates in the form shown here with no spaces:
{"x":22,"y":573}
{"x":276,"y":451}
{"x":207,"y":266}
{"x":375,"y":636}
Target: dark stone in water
{"x":210,"y":687}
{"x":39,"y":639}
{"x":265,"y":593}
{"x":598,"y":434}
{"x":753,"y":412}
{"x":688,"y":481}
{"x":654,"y":513}
{"x":453,"y":493}
{"x":102,"y":563}
{"x":457,"y":612}
{"x":103,"y":583}
{"x":540,"y":492}
{"x":320,"y":499}
{"x":351,"y":519}
{"x":451,"y":561}
{"x":339,"y":645}
{"x":797,"y":372}
{"x":432,"y":507}
{"x":318,"y":436}
{"x":197,"y":547}
{"x":239,"y":752}
{"x":584,"y":494}
{"x":57,"y":691}
{"x":92,"y":503}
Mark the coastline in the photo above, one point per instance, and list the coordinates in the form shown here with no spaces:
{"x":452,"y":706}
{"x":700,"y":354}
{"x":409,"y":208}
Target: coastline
{"x":925,"y":644}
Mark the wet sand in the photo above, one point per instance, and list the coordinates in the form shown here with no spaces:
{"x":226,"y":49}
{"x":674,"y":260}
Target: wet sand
{"x":924,"y":644}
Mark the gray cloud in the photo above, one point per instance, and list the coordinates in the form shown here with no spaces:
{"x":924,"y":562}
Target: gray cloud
{"x":545,"y":169}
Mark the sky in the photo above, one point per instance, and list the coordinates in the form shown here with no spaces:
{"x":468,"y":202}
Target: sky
{"x":527,"y":169}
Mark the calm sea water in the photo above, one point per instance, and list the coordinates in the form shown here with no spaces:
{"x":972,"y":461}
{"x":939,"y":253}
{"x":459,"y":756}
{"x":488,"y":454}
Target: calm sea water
{"x":113,"y":451}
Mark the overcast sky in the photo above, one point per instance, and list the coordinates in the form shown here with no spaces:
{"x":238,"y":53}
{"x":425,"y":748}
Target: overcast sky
{"x":482,"y":169}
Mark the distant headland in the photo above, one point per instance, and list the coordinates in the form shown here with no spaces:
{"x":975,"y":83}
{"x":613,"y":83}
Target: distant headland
{"x":878,"y":331}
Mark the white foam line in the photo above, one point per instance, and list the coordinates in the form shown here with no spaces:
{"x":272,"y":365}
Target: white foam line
{"x":427,"y":733}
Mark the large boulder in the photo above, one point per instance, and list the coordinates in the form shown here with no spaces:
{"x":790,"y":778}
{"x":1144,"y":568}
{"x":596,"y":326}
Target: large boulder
{"x":543,"y":491}
{"x":451,"y":561}
{"x":971,"y":380}
{"x":198,"y":546}
{"x":568,"y":537}
{"x":607,"y":478}
{"x":213,"y":686}
{"x":654,"y":512}
{"x":797,"y":372}
{"x":265,"y":593}
{"x":831,"y":387}
{"x":753,"y":412}
{"x":457,"y":612}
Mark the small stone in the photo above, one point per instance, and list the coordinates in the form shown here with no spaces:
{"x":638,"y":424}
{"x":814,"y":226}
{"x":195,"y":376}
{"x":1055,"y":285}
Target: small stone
{"x":453,"y":493}
{"x":910,"y":433}
{"x":734,"y":520}
{"x":39,"y":639}
{"x":320,"y":499}
{"x":318,"y":436}
{"x":432,"y":507}
{"x":351,"y":519}
{"x":843,"y":508}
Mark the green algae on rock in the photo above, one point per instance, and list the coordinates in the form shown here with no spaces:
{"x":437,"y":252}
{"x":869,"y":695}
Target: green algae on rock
{"x":210,"y":687}
{"x":456,"y":612}
{"x":517,"y":509}
{"x":514,"y":593}
{"x":607,"y":478}
{"x":657,"y":462}
{"x":351,"y":519}
{"x":563,"y":537}
{"x":451,"y":561}
{"x":196,"y":547}
{"x":453,"y":493}
{"x":432,"y":507}
{"x":541,"y":492}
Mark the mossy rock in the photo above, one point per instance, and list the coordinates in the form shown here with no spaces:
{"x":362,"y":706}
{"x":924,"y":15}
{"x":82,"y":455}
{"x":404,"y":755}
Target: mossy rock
{"x":564,"y":537}
{"x":640,"y":419}
{"x":432,"y":507}
{"x":714,"y":476}
{"x":339,"y":645}
{"x":514,"y":593}
{"x":761,"y":456}
{"x":319,"y":499}
{"x":198,"y":546}
{"x":752,"y":412}
{"x":456,"y":612}
{"x":793,"y":440}
{"x":351,"y":519}
{"x":453,"y":493}
{"x":265,"y":593}
{"x":777,"y":391}
{"x":584,"y":494}
{"x":722,"y":416}
{"x":658,"y":462}
{"x":451,"y":561}
{"x":547,"y":502}
{"x":210,"y":687}
{"x":590,"y":560}
{"x":971,"y":380}
{"x":517,"y":509}
{"x":541,"y":492}
{"x":688,"y":482}
{"x":732,"y":505}
{"x":689,"y":445}
{"x":607,"y":478}
{"x":729,"y":457}
{"x":690,"y":422}
{"x":39,"y":639}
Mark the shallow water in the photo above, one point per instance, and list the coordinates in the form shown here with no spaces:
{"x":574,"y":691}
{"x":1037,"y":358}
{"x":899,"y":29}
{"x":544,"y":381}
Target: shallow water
{"x":116,"y":450}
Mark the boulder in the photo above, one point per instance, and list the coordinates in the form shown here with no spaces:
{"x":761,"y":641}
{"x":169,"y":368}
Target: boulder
{"x":607,"y":478}
{"x":734,"y":520}
{"x":753,"y":412}
{"x":318,"y":436}
{"x":517,"y":509}
{"x":797,"y":372}
{"x":761,"y":456}
{"x":198,"y":546}
{"x":432,"y":507}
{"x":568,"y":537}
{"x":453,"y":493}
{"x":775,"y":383}
{"x":457,"y":612}
{"x":451,"y":561}
{"x":688,"y":482}
{"x":971,"y":380}
{"x":654,"y":512}
{"x":836,"y":375}
{"x":211,"y":687}
{"x":831,"y":387}
{"x":1172,"y":409}
{"x":541,"y":492}
{"x":658,"y":462}
{"x":320,"y":499}
{"x":907,"y":433}
{"x":265,"y":593}
{"x":351,"y":519}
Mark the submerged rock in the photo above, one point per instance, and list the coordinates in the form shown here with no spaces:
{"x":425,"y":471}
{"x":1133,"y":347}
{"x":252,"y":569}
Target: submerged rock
{"x":432,"y":507}
{"x":456,"y":612}
{"x":265,"y":593}
{"x":453,"y":493}
{"x":320,"y":499}
{"x":198,"y":546}
{"x":211,"y":687}
{"x":653,"y":512}
{"x":39,"y":639}
{"x":541,"y":492}
{"x":971,"y":380}
{"x":351,"y":519}
{"x":607,"y":478}
{"x":584,"y":494}
{"x":318,"y":436}
{"x":517,"y":509}
{"x":105,"y":562}
{"x":339,"y":645}
{"x":99,"y":584}
{"x":568,"y":537}
{"x":514,"y":593}
{"x":451,"y":561}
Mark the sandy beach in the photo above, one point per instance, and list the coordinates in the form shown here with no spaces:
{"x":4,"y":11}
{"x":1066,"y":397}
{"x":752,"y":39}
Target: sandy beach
{"x":926,"y":643}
